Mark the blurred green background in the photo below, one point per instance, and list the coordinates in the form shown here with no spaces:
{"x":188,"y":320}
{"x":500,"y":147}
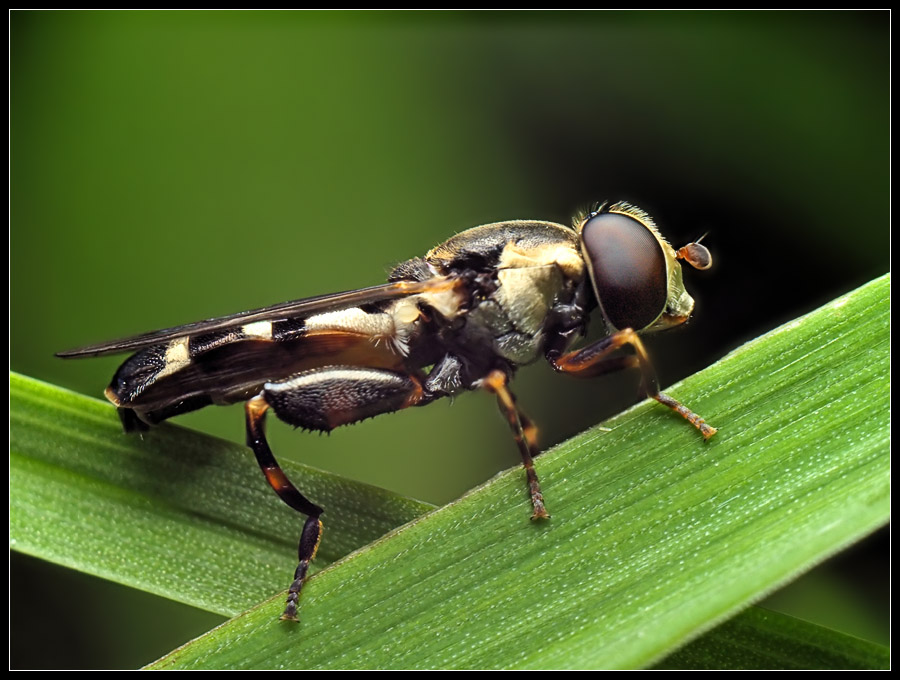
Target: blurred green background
{"x":173,"y":166}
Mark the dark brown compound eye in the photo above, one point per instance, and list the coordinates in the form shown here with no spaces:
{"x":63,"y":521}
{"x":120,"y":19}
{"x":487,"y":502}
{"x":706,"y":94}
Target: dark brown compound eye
{"x":628,"y":269}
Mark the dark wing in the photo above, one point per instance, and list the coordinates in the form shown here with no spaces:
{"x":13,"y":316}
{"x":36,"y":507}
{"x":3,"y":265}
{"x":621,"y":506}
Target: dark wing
{"x":285,"y":310}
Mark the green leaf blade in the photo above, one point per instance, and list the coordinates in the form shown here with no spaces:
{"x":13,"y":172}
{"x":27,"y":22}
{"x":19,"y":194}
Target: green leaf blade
{"x":174,"y":512}
{"x":761,"y":639}
{"x":655,"y":538}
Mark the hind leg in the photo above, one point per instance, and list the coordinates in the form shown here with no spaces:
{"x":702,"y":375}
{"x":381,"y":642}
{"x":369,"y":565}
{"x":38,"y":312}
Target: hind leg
{"x":321,"y":399}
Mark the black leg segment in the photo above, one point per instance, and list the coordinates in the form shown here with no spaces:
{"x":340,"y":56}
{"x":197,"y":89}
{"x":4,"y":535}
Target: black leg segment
{"x":321,"y":399}
{"x":325,"y":398}
{"x":312,"y":530}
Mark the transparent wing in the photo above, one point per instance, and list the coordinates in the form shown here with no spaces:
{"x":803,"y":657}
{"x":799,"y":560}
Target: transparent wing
{"x":286,"y":310}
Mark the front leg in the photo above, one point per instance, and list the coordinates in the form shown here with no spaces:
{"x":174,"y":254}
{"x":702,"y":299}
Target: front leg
{"x":594,"y":360}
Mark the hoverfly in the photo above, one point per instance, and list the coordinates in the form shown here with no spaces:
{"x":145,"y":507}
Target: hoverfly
{"x":462,"y":318}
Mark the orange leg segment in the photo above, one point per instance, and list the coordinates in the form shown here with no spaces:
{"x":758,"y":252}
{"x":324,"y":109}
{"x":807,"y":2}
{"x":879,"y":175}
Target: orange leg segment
{"x":595,"y":360}
{"x":525,"y":434}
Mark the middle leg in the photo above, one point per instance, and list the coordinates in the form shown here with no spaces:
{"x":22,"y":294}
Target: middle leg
{"x":525,"y":434}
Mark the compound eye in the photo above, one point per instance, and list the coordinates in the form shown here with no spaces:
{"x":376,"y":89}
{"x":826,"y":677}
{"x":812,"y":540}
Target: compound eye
{"x":628,"y":269}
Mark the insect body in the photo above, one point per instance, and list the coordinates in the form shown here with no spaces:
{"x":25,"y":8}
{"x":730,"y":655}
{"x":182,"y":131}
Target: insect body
{"x":462,"y":318}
